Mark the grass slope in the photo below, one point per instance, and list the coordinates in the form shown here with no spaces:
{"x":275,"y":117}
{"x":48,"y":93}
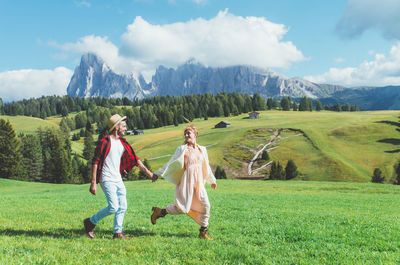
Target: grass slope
{"x":344,"y":146}
{"x":28,"y":125}
{"x":252,"y":222}
{"x":336,"y":146}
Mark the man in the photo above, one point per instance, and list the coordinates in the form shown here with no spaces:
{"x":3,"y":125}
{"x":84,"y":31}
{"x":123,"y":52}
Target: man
{"x":113,"y":158}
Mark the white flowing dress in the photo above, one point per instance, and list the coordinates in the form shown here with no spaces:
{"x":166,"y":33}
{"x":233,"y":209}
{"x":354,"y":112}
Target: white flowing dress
{"x":189,"y":169}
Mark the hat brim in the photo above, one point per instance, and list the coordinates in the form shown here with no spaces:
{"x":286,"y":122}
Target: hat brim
{"x":116,"y":123}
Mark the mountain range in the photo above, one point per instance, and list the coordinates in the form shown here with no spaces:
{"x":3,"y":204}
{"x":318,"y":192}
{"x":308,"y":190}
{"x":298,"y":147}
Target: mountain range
{"x":93,"y":77}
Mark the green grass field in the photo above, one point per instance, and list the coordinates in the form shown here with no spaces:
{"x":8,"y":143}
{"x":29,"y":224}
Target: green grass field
{"x":336,"y":146}
{"x":29,"y":125}
{"x":252,"y":222}
{"x":345,"y":146}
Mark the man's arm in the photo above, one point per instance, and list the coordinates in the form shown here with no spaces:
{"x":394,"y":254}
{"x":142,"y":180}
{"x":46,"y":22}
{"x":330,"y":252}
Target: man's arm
{"x":144,"y":169}
{"x":93,"y":185}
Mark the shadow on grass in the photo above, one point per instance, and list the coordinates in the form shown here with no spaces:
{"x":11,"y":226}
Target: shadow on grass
{"x":56,"y":233}
{"x":397,"y":124}
{"x":181,"y":235}
{"x":69,"y":233}
{"x":392,"y":141}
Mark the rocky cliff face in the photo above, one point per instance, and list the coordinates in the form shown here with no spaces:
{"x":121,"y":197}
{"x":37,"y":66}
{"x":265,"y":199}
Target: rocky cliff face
{"x":194,"y":78}
{"x":94,"y":78}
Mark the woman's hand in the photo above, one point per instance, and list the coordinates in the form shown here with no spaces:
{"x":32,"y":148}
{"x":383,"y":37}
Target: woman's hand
{"x":214,"y":186}
{"x":154,"y":177}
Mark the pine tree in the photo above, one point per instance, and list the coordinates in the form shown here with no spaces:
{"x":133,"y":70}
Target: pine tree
{"x":377,"y":176}
{"x":303,"y":104}
{"x":294,"y":106}
{"x":397,"y":177}
{"x":10,"y":157}
{"x":265,"y":155}
{"x":217,"y":173}
{"x":285,"y":104}
{"x":258,"y":102}
{"x":269,"y":104}
{"x":280,"y":172}
{"x":346,"y":107}
{"x":56,"y":153}
{"x":291,"y":170}
{"x":88,"y":148}
{"x":273,"y":172}
{"x":31,"y":151}
{"x":318,"y":106}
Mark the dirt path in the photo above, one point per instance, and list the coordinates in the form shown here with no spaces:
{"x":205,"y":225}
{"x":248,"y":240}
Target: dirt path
{"x":274,"y":139}
{"x":250,"y":171}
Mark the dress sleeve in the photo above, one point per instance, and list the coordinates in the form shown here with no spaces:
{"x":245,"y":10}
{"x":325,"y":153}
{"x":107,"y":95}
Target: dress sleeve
{"x":161,"y":171}
{"x":210,"y":176}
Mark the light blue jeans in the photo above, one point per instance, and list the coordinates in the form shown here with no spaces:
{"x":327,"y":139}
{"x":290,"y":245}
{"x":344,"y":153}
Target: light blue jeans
{"x":116,"y":198}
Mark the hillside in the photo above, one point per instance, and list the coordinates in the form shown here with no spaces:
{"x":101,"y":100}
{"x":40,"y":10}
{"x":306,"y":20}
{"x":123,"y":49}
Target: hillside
{"x":328,"y":146}
{"x":252,"y":222}
{"x":27,"y":124}
{"x":334,"y":146}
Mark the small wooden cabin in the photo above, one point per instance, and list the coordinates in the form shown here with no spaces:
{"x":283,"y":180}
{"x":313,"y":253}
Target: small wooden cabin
{"x":138,"y":131}
{"x":254,"y":115}
{"x":223,"y":124}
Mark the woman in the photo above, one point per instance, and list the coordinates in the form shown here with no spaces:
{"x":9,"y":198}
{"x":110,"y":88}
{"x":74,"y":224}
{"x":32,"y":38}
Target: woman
{"x":189,"y":169}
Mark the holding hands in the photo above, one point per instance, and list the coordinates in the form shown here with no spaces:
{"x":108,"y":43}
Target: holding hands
{"x":154,"y":178}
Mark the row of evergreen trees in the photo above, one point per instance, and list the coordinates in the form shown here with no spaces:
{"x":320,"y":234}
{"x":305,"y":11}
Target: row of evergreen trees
{"x":165,"y":108}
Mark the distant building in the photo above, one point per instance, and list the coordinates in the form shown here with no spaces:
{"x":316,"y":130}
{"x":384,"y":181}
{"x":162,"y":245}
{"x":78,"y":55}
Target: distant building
{"x":254,"y":115}
{"x":223,"y":124}
{"x":137,"y":132}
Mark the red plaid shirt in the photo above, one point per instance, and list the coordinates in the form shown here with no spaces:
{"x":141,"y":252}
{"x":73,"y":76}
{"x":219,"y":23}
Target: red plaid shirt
{"x":128,"y":159}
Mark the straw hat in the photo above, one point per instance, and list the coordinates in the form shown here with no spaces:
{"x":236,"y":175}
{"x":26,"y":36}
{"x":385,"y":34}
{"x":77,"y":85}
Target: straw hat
{"x":114,"y":121}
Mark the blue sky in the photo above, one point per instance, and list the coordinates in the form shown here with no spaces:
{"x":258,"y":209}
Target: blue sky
{"x":344,"y":42}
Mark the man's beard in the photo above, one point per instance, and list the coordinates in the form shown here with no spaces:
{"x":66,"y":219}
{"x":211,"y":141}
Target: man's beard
{"x":120,"y":133}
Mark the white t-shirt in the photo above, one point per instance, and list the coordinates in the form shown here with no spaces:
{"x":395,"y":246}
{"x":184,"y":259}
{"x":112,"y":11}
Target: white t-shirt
{"x":110,"y":171}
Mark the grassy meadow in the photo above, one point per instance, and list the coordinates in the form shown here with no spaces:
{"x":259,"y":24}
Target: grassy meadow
{"x":28,"y":125}
{"x":252,"y":222}
{"x":344,"y":146}
{"x":335,"y":146}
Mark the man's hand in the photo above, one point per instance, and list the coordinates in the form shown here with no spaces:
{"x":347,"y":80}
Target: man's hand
{"x":154,"y":178}
{"x":214,"y":186}
{"x":93,"y":188}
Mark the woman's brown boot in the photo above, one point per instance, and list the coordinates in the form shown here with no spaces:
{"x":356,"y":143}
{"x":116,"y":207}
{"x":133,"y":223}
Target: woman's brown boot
{"x":157,"y":213}
{"x":204,"y":234}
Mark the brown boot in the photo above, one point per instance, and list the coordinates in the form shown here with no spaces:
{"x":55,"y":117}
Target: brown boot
{"x":156,"y":214}
{"x":204,"y":234}
{"x":89,"y":227}
{"x":121,"y":236}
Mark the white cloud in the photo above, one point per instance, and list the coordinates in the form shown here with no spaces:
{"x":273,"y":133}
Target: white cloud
{"x":27,"y":83}
{"x":361,"y":15}
{"x":200,"y":2}
{"x":106,"y":50}
{"x":383,"y":70}
{"x":339,"y":60}
{"x":82,"y":4}
{"x":221,"y":41}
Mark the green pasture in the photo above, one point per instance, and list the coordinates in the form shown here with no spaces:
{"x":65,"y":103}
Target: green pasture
{"x":344,"y":146}
{"x":29,"y":125}
{"x":252,"y":222}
